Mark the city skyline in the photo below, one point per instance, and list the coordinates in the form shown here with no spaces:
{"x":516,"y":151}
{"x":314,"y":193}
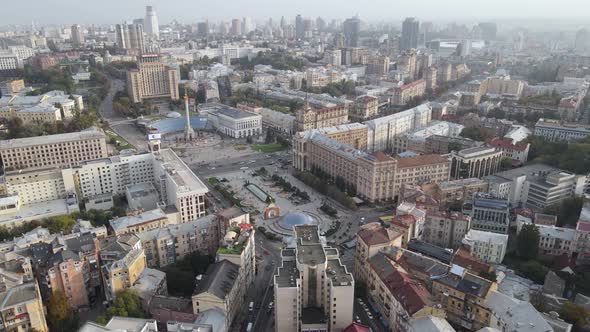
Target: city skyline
{"x":57,"y":12}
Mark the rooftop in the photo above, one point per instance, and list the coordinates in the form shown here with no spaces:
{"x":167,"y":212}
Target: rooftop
{"x":482,"y":236}
{"x":338,"y":274}
{"x":479,"y":151}
{"x":231,"y":112}
{"x":517,"y":315}
{"x":186,"y":181}
{"x":88,"y":134}
{"x":422,"y":160}
{"x":287,"y":274}
{"x":219,"y":279}
{"x":310,"y":250}
{"x":374,"y":233}
{"x":395,"y":117}
{"x":565,"y":234}
{"x":123,"y":223}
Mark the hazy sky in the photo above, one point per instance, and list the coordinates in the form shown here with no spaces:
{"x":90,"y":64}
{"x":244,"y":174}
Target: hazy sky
{"x":113,"y":11}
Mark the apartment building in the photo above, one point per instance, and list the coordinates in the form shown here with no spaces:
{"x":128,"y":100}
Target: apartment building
{"x":416,"y":140}
{"x":517,"y":152}
{"x":22,"y":306}
{"x":364,"y":107}
{"x":65,"y":275}
{"x":553,"y":130}
{"x":445,"y":144}
{"x":582,"y":237}
{"x":487,"y":246}
{"x":169,"y":244}
{"x":463,"y":295}
{"x":353,"y":134}
{"x":61,"y":150}
{"x":455,"y":192}
{"x":445,"y":229}
{"x":382,"y":131}
{"x":308,"y":117}
{"x":475,"y":162}
{"x":123,"y":260}
{"x":48,"y":107}
{"x":511,"y":314}
{"x":399,"y":298}
{"x":139,"y":222}
{"x":422,"y":169}
{"x":34,"y":114}
{"x":152,"y":79}
{"x":35,"y":186}
{"x":370,"y":239}
{"x":371,"y":174}
{"x":312,"y":288}
{"x":11,"y":87}
{"x":408,"y":92}
{"x":556,"y":241}
{"x":488,"y":213}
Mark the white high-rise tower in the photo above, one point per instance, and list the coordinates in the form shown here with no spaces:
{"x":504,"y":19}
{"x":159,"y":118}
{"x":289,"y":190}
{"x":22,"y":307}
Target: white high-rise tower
{"x":189,"y":132}
{"x":152,"y":29}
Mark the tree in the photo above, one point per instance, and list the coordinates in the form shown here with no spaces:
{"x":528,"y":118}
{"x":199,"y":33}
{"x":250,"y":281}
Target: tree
{"x":126,"y":304}
{"x":476,"y":134}
{"x":58,"y":311}
{"x":567,"y":212}
{"x":506,"y":163}
{"x":574,"y":314}
{"x":527,"y":244}
{"x":59,"y":224}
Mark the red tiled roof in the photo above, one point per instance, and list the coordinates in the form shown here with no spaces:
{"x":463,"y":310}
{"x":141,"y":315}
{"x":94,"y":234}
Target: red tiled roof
{"x":380,"y":156}
{"x":356,"y":327}
{"x":409,"y":293}
{"x":427,"y":159}
{"x":366,"y":98}
{"x":373,"y":234}
{"x":410,"y":85}
{"x":506,"y":144}
{"x":583,"y":226}
{"x":464,"y":259}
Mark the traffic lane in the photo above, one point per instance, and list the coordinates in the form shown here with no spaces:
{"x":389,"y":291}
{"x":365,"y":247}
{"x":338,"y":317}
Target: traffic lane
{"x":367,"y":316}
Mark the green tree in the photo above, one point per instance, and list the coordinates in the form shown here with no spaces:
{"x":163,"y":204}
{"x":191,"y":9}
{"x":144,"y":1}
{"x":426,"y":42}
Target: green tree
{"x":59,"y":224}
{"x":126,"y":304}
{"x":527,"y":244}
{"x":567,"y":212}
{"x":506,"y":163}
{"x":58,"y":311}
{"x":574,"y":314}
{"x":476,"y":134}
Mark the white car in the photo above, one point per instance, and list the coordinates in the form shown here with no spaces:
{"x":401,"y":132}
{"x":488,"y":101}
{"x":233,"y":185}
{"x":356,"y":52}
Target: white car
{"x":244,"y":168}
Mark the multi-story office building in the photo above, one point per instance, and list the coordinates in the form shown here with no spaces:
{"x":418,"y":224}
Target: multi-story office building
{"x":352,"y":29}
{"x":10,"y":62}
{"x":130,"y":37}
{"x":233,"y":122}
{"x":553,"y":130}
{"x":537,"y":186}
{"x":445,"y":144}
{"x":353,"y":134}
{"x":416,"y":140}
{"x":408,"y":92}
{"x":152,"y":79}
{"x":167,"y":245}
{"x":364,"y":107}
{"x":378,"y":65}
{"x":487,"y":246}
{"x":371,"y":174}
{"x":410,"y":32}
{"x":382,"y":131}
{"x":77,"y":35}
{"x":312,"y":289}
{"x":61,"y":150}
{"x":445,"y":229}
{"x":308,"y":118}
{"x":49,"y":107}
{"x":152,"y":27}
{"x":422,"y":169}
{"x":488,"y":213}
{"x":475,"y":162}
{"x":35,"y":186}
{"x":371,"y":238}
{"x":556,"y":241}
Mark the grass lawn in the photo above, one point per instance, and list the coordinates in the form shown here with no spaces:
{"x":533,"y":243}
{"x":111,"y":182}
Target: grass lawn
{"x":240,"y":147}
{"x":267,"y":148}
{"x":122,"y":144}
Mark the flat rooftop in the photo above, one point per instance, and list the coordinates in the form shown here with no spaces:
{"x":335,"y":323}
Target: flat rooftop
{"x":88,"y":134}
{"x":477,"y":152}
{"x":338,"y":273}
{"x":309,"y":248}
{"x":287,"y":275}
{"x":142,"y":218}
{"x":35,"y":211}
{"x":231,"y":112}
{"x":185,"y":179}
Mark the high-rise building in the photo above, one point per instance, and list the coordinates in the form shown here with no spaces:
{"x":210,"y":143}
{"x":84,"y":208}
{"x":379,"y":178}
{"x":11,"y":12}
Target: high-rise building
{"x":77,"y":35}
{"x":313,"y":289}
{"x":299,"y":28}
{"x":152,"y":27}
{"x":352,"y":28}
{"x":152,"y":79}
{"x":410,"y":31}
{"x":246,"y":25}
{"x":203,"y":28}
{"x":130,"y":36}
{"x":236,"y":27}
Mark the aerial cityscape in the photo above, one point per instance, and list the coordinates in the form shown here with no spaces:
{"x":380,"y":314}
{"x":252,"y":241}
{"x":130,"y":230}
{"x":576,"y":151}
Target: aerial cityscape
{"x":271,"y":166}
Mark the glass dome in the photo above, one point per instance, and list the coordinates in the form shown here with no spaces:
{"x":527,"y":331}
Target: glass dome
{"x":292,"y":219}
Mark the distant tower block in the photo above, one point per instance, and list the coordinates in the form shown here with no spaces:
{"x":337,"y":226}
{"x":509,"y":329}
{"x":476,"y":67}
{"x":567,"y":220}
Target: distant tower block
{"x":189,"y":132}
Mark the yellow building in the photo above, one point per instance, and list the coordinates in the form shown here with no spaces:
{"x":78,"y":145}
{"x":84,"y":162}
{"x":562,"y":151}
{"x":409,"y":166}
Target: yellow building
{"x":152,"y":79}
{"x":123,"y":261}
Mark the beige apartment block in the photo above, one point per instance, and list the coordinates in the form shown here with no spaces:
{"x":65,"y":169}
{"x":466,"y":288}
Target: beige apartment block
{"x":422,"y":169}
{"x":445,"y":229}
{"x":308,"y":117}
{"x":371,"y":238}
{"x":364,"y":108}
{"x":61,"y":150}
{"x":66,"y":274}
{"x":22,"y":307}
